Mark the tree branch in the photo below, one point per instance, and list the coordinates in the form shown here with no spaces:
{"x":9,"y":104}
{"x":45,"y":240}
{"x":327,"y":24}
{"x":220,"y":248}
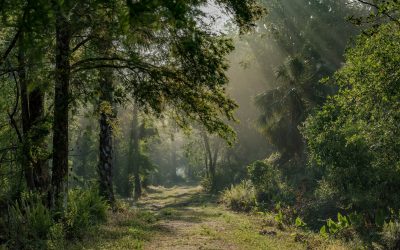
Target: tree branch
{"x":384,"y":12}
{"x":91,"y":60}
{"x":8,"y":71}
{"x":81,"y":43}
{"x":368,"y":3}
{"x":101,"y":66}
{"x":15,"y":38}
{"x":10,"y":46}
{"x":12,"y":114}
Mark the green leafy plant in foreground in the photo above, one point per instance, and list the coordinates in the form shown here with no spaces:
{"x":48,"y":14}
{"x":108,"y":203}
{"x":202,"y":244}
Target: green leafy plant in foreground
{"x":300,"y":223}
{"x":332,"y":228}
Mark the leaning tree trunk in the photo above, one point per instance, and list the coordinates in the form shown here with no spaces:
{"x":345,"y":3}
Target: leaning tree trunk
{"x":60,"y":124}
{"x":107,"y":114}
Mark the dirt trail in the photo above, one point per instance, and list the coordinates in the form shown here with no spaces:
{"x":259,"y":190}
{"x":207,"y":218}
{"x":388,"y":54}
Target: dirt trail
{"x":186,"y":219}
{"x":191,"y":219}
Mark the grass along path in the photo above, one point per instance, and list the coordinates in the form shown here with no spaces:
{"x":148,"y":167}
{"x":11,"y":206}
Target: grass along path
{"x":186,"y":218}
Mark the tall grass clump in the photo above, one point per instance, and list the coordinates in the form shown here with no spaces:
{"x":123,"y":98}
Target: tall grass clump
{"x":240,"y":197}
{"x":391,"y":235}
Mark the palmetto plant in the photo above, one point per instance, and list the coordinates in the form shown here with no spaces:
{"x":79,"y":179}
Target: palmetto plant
{"x":284,"y":108}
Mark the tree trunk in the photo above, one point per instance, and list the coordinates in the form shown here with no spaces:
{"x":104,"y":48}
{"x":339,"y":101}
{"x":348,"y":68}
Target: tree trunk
{"x":36,"y":168}
{"x":173,"y":175}
{"x":107,"y":115}
{"x":105,"y":167}
{"x":136,"y":154}
{"x":206,"y":164}
{"x":39,"y":162}
{"x":214,"y":165}
{"x":209,"y":156}
{"x":26,"y":163}
{"x":61,"y":99}
{"x":127,"y":171}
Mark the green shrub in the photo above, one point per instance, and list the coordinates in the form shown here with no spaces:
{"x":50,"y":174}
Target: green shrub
{"x":240,"y":197}
{"x":28,"y":224}
{"x":268,"y":184}
{"x":391,"y":235}
{"x":85,"y":209}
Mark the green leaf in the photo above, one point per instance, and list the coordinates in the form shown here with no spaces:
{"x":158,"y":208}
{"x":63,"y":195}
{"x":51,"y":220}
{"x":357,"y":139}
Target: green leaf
{"x":299,"y":222}
{"x":323,"y":232}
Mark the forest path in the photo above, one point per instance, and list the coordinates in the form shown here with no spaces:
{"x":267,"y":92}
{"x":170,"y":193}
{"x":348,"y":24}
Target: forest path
{"x":191,"y":219}
{"x":186,"y":218}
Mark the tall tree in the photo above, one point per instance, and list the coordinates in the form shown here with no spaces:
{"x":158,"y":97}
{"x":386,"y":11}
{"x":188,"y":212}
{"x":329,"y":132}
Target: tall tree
{"x":61,"y":102}
{"x":106,"y":108}
{"x":135,"y":153}
{"x":107,"y":116}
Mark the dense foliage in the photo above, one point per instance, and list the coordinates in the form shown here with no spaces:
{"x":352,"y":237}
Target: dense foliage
{"x":354,"y":138}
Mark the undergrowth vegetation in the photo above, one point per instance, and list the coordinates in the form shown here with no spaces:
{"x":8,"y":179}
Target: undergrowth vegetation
{"x":266,"y":193}
{"x":29,"y":224}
